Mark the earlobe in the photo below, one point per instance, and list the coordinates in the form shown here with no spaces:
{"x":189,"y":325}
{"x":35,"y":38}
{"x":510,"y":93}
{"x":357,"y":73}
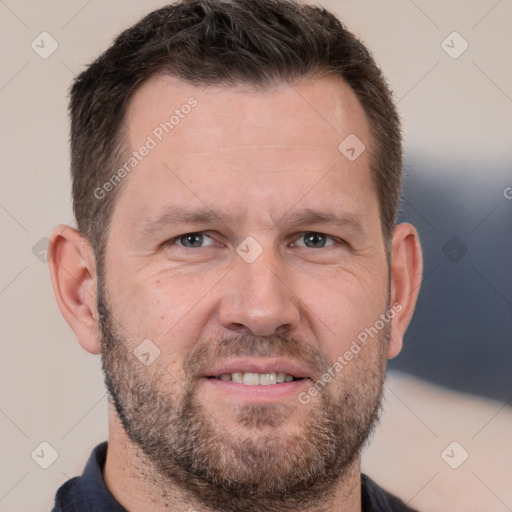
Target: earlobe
{"x":406,"y":275}
{"x":73,"y":273}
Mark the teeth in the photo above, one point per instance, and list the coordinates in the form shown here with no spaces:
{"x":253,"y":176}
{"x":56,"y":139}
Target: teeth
{"x":267,"y":378}
{"x":237,"y":377}
{"x":257,"y":379}
{"x":251,"y":379}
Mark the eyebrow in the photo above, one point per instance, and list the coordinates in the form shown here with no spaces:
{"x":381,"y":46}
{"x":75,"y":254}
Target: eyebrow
{"x":176,"y":216}
{"x":352,"y":221}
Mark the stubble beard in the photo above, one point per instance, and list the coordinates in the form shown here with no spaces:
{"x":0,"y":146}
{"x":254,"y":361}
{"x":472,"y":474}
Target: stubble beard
{"x":271,"y":470}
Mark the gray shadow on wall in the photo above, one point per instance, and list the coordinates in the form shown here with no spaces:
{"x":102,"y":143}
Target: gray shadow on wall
{"x":461,"y":333}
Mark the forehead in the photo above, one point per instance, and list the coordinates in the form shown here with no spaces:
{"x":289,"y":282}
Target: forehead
{"x":235,"y":147}
{"x":318,"y":112}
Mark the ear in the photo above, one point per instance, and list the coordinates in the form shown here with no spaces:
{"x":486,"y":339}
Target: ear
{"x":406,"y":273}
{"x":73,"y":273}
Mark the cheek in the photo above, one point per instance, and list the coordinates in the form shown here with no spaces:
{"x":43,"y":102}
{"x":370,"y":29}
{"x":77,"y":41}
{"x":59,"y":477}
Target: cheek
{"x":342,"y":309}
{"x":165,"y":307}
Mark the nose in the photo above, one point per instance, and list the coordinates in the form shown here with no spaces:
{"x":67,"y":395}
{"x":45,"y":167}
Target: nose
{"x":259,"y":298}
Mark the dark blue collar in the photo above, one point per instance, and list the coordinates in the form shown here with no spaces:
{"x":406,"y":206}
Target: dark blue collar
{"x":88,"y":492}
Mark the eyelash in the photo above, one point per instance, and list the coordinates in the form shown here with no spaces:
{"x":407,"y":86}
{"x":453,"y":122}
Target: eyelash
{"x":337,"y":241}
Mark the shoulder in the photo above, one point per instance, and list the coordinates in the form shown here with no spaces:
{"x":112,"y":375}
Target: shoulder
{"x":376,"y":499}
{"x":68,"y":496}
{"x":88,"y":492}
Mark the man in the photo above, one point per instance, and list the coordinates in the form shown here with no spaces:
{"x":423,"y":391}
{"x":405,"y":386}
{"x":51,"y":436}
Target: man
{"x":236,"y":177}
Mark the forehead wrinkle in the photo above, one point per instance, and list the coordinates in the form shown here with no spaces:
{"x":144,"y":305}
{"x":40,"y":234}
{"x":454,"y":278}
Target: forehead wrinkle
{"x":267,"y":147}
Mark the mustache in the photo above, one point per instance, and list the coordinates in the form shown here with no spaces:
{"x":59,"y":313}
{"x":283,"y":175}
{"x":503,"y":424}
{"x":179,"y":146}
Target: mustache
{"x":246,"y":345}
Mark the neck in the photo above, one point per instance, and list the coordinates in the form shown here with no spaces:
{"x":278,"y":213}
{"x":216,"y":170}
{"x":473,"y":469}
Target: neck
{"x":137,"y":486}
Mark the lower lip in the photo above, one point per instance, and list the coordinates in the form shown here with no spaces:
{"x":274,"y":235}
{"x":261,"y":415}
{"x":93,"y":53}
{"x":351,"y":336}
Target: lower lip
{"x":270,"y":393}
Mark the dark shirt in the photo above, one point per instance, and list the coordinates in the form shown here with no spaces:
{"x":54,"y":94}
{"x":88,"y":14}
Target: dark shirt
{"x":88,"y":493}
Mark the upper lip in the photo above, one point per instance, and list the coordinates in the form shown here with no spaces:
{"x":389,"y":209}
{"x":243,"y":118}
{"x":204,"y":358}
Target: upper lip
{"x":267,"y":365}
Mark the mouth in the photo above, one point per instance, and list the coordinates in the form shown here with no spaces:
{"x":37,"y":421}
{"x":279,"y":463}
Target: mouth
{"x":257,"y":379}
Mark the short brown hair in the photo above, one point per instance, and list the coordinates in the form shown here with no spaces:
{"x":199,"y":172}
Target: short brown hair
{"x":214,"y":42}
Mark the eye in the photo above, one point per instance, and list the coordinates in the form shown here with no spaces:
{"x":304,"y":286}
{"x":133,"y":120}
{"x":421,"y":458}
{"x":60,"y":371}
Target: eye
{"x":314,"y":240}
{"x":192,"y":240}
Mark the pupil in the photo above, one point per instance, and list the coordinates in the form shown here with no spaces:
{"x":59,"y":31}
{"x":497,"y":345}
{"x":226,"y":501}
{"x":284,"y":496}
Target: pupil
{"x":193,"y":240}
{"x":314,"y":239}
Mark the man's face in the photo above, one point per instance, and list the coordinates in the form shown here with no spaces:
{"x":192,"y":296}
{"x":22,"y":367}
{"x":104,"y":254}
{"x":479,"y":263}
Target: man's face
{"x":245,"y":243}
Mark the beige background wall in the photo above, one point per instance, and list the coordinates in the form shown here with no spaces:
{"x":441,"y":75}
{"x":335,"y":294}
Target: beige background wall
{"x":52,"y":391}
